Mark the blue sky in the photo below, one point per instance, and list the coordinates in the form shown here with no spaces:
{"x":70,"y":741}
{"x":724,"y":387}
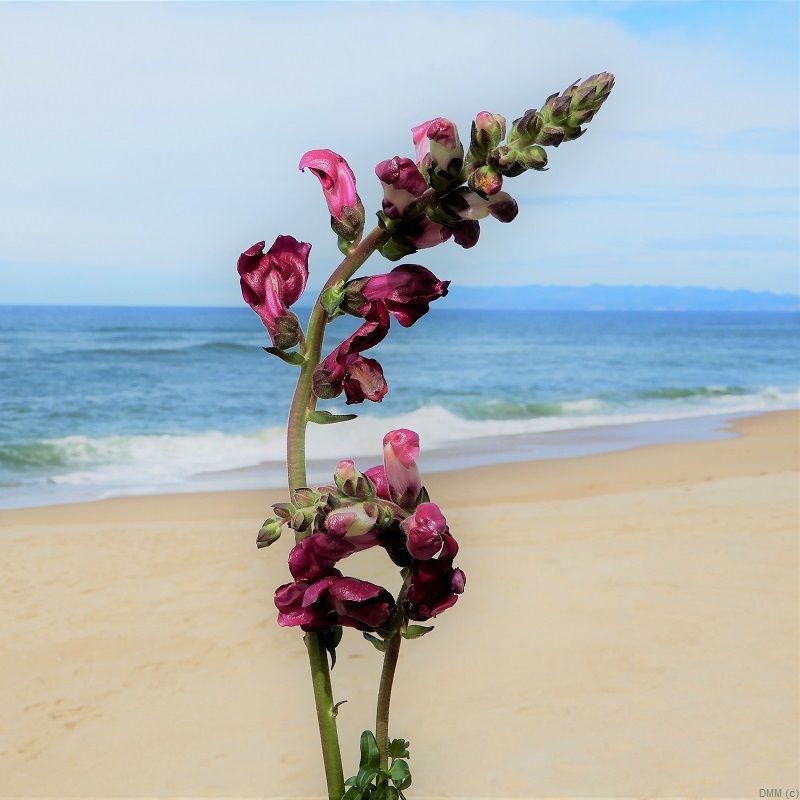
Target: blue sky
{"x":143,"y":146}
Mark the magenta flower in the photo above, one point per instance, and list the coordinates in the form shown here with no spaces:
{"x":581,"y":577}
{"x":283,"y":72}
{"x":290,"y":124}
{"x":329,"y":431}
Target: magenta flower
{"x":407,"y":292}
{"x":402,"y":184}
{"x":345,"y":369}
{"x":339,"y":187}
{"x":272,"y":281}
{"x":334,"y":600}
{"x":435,"y":584}
{"x":424,"y":530}
{"x":400,"y":453}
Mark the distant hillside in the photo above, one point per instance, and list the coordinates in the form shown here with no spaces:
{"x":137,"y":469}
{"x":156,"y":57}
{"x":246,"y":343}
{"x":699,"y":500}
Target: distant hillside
{"x":619,"y":298}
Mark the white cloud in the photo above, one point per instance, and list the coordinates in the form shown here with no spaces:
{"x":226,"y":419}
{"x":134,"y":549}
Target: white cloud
{"x":153,"y":142}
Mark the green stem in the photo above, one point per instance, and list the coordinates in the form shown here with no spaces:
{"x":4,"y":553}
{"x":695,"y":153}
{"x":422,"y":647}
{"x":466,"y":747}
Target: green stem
{"x":296,"y":462}
{"x":390,"y":655}
{"x":326,"y":715}
{"x":296,"y":435}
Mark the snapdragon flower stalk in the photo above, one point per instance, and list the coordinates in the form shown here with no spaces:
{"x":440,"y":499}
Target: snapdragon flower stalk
{"x":442,"y":193}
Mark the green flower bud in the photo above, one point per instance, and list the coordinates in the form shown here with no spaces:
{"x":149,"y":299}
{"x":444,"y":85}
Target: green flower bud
{"x":270,"y":532}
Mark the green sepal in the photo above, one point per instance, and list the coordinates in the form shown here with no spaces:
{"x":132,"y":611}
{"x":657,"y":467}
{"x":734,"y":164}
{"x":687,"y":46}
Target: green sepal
{"x":398,"y":748}
{"x":400,"y":774}
{"x":377,"y":643}
{"x":330,"y":638}
{"x":295,"y":358}
{"x":415,"y":631}
{"x":332,"y":297}
{"x":326,"y":418}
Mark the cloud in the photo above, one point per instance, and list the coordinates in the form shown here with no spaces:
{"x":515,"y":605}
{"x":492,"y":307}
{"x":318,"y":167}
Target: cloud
{"x":145,"y":145}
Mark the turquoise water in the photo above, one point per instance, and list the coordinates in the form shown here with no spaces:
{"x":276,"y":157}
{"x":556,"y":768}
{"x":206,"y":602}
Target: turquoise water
{"x":109,"y":400}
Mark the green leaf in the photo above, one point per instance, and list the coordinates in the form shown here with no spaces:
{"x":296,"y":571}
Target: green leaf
{"x":326,"y":418}
{"x":369,"y":752}
{"x":377,"y":643}
{"x":398,"y":748}
{"x":400,"y":774}
{"x":353,"y":793}
{"x":365,"y":777}
{"x":290,"y":358}
{"x":415,"y":631}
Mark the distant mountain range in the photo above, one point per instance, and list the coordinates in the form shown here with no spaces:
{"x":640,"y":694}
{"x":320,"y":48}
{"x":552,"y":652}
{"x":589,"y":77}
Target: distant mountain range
{"x":619,"y":298}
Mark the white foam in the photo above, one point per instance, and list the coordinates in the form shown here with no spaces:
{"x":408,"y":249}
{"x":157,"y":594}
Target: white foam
{"x":154,"y":460}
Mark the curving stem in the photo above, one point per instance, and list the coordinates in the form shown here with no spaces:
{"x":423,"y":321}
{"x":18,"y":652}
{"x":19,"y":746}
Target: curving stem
{"x":296,"y":462}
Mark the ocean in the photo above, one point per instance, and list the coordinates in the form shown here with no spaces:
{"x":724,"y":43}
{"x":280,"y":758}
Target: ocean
{"x":100,"y":401}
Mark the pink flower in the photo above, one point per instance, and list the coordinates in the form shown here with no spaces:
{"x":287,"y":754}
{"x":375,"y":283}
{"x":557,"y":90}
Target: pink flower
{"x":435,"y":583}
{"x":339,"y":187}
{"x":337,"y":179}
{"x":402,"y":184}
{"x":400,"y":453}
{"x":436,"y":137}
{"x":407,"y":292}
{"x":377,"y":476}
{"x":272,"y":281}
{"x":424,"y":530}
{"x":345,"y":369}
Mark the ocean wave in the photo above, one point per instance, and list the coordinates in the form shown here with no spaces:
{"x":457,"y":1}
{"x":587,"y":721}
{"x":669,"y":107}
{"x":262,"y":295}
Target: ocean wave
{"x":685,"y":392}
{"x":121,"y":461}
{"x":150,"y":349}
{"x":509,"y":410}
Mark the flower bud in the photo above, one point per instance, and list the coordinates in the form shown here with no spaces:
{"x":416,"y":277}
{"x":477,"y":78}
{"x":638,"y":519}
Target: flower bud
{"x":377,"y":477}
{"x":525,"y":129}
{"x":402,"y":184}
{"x":488,"y":130}
{"x":440,"y":153}
{"x":270,"y":532}
{"x":486,"y":180}
{"x":564,"y":114}
{"x":356,"y":523}
{"x":352,"y":483}
{"x":400,"y":452}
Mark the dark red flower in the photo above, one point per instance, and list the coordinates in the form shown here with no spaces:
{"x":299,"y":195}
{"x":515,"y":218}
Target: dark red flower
{"x":424,"y":530}
{"x":272,"y":281}
{"x":334,"y":600}
{"x":345,"y":369}
{"x":316,"y":555}
{"x":407,"y":292}
{"x":435,"y":584}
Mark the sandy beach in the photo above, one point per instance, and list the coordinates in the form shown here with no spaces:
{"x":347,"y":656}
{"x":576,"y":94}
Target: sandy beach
{"x":629,"y":629}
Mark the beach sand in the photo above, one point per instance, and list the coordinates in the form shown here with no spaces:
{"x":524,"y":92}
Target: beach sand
{"x":629,"y":628}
